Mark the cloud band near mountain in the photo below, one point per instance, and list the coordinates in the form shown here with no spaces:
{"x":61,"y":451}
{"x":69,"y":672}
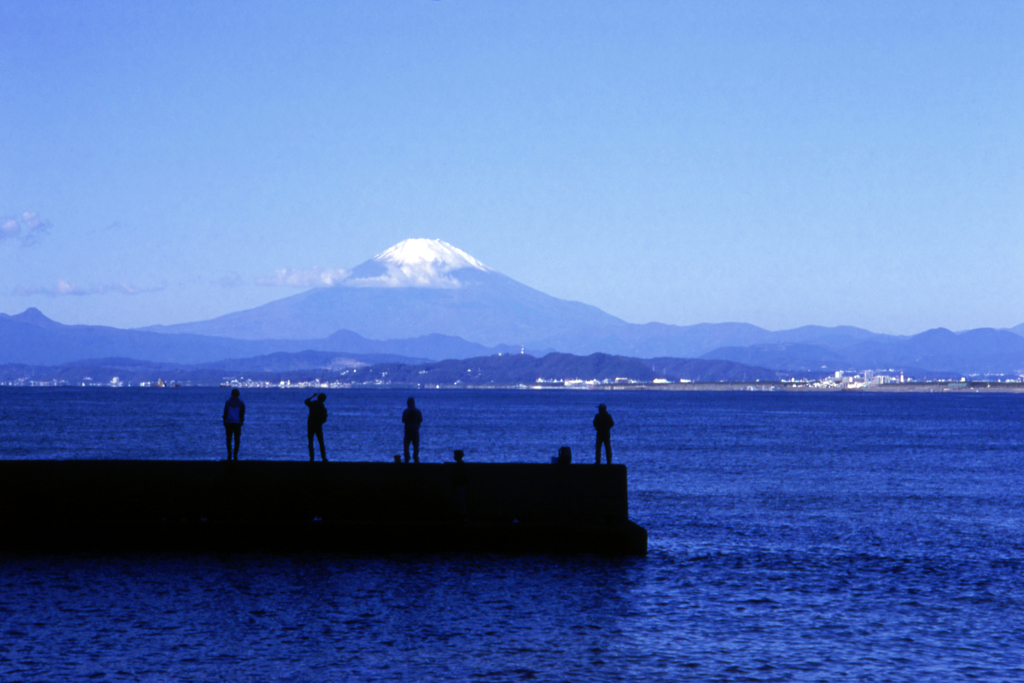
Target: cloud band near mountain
{"x":66,"y":288}
{"x":313,"y":277}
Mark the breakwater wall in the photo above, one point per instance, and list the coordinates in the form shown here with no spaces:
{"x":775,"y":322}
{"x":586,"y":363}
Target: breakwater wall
{"x":291,"y":506}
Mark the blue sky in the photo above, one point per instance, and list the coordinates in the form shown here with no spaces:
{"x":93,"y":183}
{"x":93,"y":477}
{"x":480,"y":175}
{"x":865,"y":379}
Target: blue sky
{"x":778,"y":163}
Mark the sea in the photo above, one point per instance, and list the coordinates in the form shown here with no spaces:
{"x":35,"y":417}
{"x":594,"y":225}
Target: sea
{"x":793,"y":537}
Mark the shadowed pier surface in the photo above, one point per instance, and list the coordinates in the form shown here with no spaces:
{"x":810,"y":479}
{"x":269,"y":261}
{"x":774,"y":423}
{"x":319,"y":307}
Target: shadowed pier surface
{"x":294,"y":506}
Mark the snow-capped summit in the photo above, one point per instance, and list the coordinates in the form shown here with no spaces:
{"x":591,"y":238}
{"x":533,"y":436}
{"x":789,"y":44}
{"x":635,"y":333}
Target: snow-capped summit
{"x":414,"y":263}
{"x":417,"y":252}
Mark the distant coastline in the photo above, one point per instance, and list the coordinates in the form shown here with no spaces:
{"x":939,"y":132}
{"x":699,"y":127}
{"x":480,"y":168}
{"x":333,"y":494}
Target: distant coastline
{"x":934,"y":387}
{"x":802,"y":387}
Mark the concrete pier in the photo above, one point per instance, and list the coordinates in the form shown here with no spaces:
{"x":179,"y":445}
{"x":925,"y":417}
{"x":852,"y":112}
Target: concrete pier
{"x":295,"y":506}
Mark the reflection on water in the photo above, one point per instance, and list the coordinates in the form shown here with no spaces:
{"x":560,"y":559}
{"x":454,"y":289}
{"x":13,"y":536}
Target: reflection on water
{"x":792,"y":538}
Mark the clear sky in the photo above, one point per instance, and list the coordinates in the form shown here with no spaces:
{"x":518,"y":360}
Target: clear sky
{"x":778,"y":163}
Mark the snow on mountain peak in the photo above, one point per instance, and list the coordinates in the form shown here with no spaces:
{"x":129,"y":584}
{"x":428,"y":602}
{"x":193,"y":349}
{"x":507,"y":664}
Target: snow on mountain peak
{"x":419,"y":253}
{"x":416,"y":263}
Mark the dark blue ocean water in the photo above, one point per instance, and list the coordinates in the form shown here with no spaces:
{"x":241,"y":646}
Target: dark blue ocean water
{"x":812,"y":537}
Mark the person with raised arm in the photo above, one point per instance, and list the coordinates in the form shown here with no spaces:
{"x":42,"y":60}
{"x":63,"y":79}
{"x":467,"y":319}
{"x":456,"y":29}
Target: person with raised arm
{"x":315,"y":423}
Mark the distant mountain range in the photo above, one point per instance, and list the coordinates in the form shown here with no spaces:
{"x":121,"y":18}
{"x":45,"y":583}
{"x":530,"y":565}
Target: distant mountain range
{"x":33,"y":339}
{"x":425,"y":300}
{"x":978,"y":352}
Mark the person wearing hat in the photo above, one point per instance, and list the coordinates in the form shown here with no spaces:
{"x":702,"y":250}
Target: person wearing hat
{"x":603,"y":423}
{"x":412,"y":418}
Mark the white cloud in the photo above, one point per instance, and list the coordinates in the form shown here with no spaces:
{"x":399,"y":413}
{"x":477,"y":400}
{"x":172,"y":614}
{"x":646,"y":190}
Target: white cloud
{"x":397,"y":276}
{"x":122,"y":288}
{"x":9,"y":228}
{"x":29,"y":227}
{"x":66,"y":288}
{"x":314,"y":277}
{"x":62,"y":288}
{"x":33,"y":222}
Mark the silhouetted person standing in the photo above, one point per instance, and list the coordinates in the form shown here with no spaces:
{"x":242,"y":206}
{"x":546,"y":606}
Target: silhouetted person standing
{"x":412,"y":418}
{"x":459,"y":481}
{"x":234,"y":418}
{"x":603,"y":423}
{"x":315,"y":423}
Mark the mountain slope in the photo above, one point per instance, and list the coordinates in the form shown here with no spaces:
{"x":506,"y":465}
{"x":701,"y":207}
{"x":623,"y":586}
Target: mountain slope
{"x":418,"y":287}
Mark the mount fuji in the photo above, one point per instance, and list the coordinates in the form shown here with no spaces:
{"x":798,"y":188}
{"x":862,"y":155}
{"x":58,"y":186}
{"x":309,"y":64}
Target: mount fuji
{"x":417,"y":287}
